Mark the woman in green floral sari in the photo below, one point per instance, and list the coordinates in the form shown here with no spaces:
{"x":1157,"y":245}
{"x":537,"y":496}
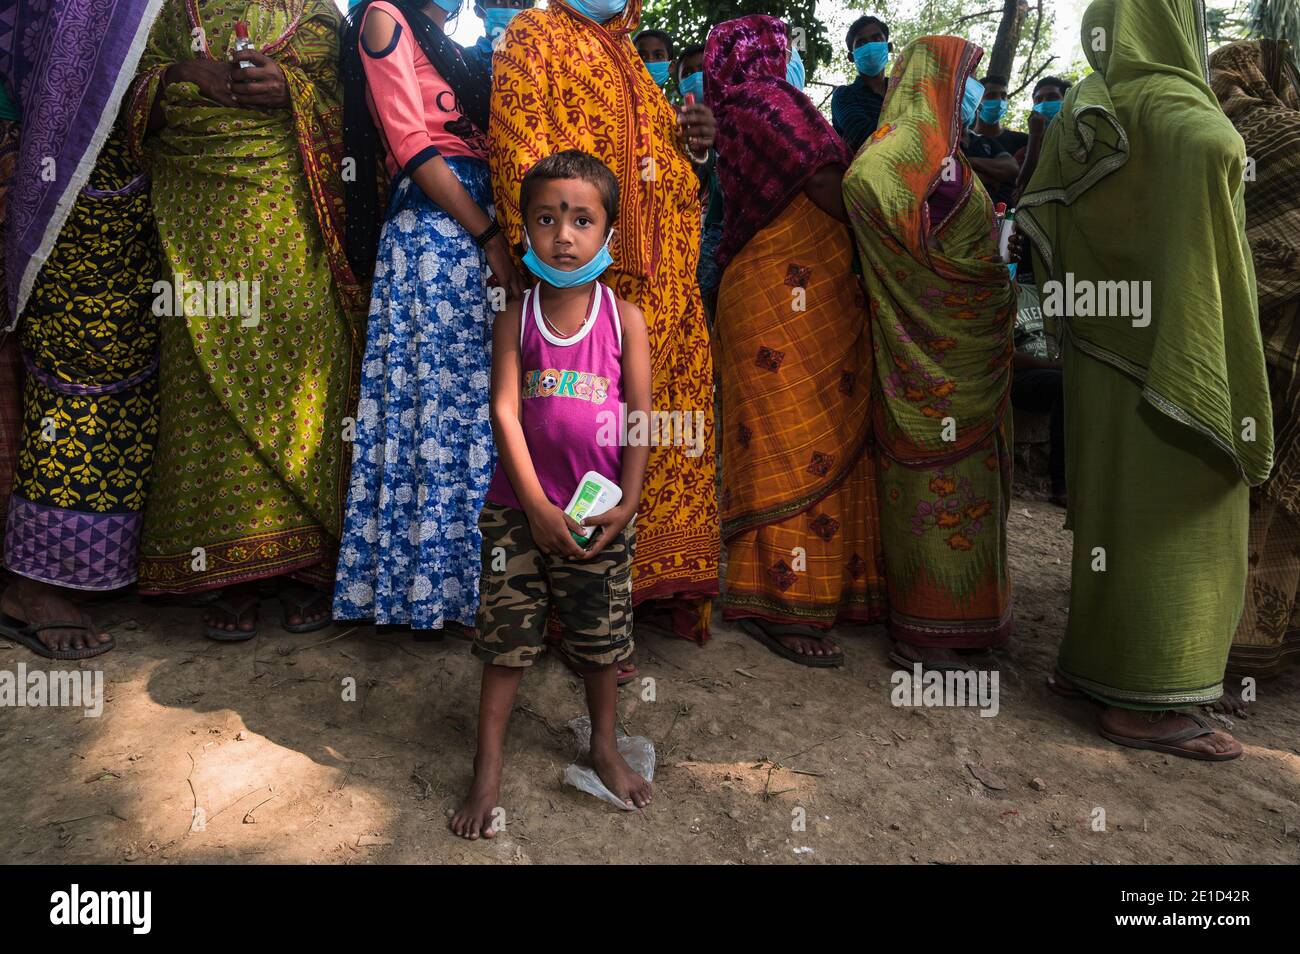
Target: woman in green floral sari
{"x":942,"y":312}
{"x":260,"y":307}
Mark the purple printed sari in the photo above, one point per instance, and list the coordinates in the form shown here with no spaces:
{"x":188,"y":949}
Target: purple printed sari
{"x":770,"y":137}
{"x":67,"y":64}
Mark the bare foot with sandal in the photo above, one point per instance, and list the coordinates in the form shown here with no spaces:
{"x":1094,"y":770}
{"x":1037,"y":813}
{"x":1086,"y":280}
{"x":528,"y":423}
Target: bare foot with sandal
{"x":233,"y":616}
{"x":1174,"y":733}
{"x":800,"y":644}
{"x":48,"y":621}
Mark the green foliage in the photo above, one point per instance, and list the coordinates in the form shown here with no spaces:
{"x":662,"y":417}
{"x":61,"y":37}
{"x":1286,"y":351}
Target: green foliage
{"x":688,"y":21}
{"x":1279,"y":20}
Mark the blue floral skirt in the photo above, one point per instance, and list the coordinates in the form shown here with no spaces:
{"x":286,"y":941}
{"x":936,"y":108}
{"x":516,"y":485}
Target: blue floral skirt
{"x":423,"y":455}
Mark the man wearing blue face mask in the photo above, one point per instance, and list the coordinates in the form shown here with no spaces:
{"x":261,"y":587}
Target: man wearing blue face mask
{"x":1048,"y":94}
{"x":855,"y":108}
{"x":988,"y":125}
{"x":495,"y":14}
{"x":990,"y":160}
{"x":992,"y":111}
{"x":655,"y":47}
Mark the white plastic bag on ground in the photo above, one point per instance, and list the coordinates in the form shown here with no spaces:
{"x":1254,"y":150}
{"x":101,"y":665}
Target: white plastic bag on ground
{"x":637,"y":751}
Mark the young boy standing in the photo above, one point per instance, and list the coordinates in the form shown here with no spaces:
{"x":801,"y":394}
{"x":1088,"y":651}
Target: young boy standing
{"x":564,"y":359}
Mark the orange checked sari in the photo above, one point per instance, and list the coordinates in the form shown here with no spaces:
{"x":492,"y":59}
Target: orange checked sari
{"x":561,"y":81}
{"x":799,"y":511}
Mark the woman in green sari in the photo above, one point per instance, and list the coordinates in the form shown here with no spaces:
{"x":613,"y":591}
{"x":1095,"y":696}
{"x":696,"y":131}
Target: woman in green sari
{"x":260,"y":311}
{"x":1136,"y":212}
{"x":942,"y":312}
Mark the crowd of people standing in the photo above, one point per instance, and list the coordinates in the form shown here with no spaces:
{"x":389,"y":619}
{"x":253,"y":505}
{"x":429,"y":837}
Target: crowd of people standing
{"x":399,"y":404}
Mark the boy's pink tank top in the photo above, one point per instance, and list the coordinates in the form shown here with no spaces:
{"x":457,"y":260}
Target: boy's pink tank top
{"x":571,"y":399}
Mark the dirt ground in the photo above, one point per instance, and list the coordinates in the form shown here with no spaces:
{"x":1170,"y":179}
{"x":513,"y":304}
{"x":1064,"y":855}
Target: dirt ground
{"x":258,"y":737}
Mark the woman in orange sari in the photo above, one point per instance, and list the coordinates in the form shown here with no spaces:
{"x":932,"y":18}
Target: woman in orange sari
{"x":799,"y":510}
{"x":568,"y":77}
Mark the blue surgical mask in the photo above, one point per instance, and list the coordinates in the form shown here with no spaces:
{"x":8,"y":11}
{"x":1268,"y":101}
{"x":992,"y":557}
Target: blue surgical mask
{"x":692,"y":84}
{"x":871,"y":58}
{"x":794,"y":74}
{"x":598,"y":10}
{"x":1048,"y":108}
{"x":579,"y":276}
{"x":451,"y":6}
{"x":659,"y":72}
{"x":495,"y":20}
{"x":970,"y":100}
{"x":992,"y":111}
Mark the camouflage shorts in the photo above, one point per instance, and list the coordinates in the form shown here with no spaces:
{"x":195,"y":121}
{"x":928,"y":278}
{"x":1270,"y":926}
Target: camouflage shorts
{"x":520,"y":585}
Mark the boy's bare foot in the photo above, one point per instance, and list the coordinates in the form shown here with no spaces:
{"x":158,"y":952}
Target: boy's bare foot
{"x":619,"y":777}
{"x":477,"y":818}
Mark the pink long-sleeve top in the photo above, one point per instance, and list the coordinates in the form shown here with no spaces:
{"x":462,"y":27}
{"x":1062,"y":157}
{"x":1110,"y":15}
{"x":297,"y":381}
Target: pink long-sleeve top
{"x":415,"y":109}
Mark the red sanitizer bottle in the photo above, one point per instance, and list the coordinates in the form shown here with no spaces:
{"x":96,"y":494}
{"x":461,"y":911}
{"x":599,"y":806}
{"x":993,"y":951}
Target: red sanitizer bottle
{"x":242,"y":42}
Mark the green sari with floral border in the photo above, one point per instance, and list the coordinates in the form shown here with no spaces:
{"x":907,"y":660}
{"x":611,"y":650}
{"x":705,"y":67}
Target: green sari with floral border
{"x":251,"y":464}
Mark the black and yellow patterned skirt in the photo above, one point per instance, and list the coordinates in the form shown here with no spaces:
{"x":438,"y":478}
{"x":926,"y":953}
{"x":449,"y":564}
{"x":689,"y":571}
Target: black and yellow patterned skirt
{"x":90,"y":399}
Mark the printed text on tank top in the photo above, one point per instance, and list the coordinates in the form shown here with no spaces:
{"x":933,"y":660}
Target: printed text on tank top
{"x":565,"y":382}
{"x":568,"y":387}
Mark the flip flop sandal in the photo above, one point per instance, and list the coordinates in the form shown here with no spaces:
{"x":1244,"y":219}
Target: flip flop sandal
{"x":27,"y":635}
{"x":1168,"y":743}
{"x":942,"y":665}
{"x":297,"y":600}
{"x":624,"y":677}
{"x":234,"y":610}
{"x":785,"y":652}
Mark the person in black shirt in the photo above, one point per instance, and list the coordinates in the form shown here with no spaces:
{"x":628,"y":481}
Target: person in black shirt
{"x":988,"y":126}
{"x":988,"y":121}
{"x":855,"y":108}
{"x":992,"y":163}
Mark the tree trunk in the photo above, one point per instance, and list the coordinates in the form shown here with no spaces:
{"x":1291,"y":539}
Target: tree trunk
{"x":1003,"y":58}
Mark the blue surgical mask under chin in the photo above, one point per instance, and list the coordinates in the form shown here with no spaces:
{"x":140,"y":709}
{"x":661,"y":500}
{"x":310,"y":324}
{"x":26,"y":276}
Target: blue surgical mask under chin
{"x":598,"y":10}
{"x":659,"y":72}
{"x":579,"y":276}
{"x":692,"y":84}
{"x":970,"y":100}
{"x":794,"y":74}
{"x":871,"y":58}
{"x":992,"y":111}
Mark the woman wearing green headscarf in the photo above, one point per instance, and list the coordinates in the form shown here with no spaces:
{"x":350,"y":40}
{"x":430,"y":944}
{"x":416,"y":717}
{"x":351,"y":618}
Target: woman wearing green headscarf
{"x":1137,"y":217}
{"x":942,"y":312}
